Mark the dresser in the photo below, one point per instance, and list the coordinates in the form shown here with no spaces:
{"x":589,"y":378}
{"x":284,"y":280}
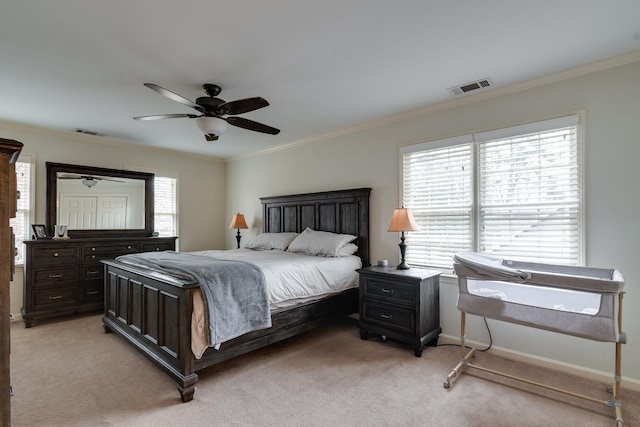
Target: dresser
{"x":400,"y":304}
{"x":9,"y":152}
{"x":66,"y":276}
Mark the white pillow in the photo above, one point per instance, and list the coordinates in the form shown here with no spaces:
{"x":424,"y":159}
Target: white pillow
{"x":348,"y":249}
{"x":268,"y":241}
{"x":323,"y":243}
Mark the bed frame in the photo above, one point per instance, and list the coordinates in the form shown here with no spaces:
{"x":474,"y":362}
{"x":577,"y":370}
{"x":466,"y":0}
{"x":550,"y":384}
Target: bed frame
{"x":152,"y":311}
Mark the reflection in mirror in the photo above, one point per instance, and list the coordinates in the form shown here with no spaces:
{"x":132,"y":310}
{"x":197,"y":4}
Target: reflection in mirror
{"x":92,"y":202}
{"x":98,"y":202}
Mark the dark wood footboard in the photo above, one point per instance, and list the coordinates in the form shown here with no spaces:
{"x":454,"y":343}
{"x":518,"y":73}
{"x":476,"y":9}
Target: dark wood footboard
{"x":153,"y":312}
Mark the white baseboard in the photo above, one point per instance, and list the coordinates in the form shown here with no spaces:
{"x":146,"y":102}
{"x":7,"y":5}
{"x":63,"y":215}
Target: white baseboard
{"x":581,"y":371}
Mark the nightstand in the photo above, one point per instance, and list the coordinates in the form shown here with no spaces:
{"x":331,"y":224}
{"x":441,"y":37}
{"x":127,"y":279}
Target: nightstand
{"x":400,"y":304}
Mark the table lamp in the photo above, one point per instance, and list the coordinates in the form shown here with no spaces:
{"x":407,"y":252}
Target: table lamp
{"x":402,"y":221}
{"x":238,"y":223}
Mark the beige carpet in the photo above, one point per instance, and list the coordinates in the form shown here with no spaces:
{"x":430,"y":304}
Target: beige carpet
{"x":70,"y":373}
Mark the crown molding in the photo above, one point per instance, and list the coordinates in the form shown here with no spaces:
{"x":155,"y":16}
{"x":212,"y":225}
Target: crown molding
{"x":484,"y":95}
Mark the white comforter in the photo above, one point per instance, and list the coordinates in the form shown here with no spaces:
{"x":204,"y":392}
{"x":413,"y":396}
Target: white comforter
{"x":293,"y":278}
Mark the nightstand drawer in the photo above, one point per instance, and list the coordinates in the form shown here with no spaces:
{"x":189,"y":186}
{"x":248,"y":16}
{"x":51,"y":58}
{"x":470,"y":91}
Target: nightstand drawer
{"x":389,"y":317}
{"x":391,"y":292}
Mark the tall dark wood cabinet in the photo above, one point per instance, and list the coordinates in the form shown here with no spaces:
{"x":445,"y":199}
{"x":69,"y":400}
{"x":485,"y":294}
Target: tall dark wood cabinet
{"x":66,"y":276}
{"x":9,"y":152}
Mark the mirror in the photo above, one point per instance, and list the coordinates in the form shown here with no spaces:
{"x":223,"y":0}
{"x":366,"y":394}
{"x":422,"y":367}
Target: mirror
{"x":99,"y":202}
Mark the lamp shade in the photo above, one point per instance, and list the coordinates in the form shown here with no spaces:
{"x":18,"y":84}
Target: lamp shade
{"x":402,"y":220}
{"x":238,"y":222}
{"x":211,"y":125}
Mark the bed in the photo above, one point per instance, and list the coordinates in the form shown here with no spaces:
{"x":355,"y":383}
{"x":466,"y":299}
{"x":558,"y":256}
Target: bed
{"x":153,"y":310}
{"x":584,"y":302}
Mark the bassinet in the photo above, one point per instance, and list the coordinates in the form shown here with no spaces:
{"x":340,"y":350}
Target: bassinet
{"x":580,"y":301}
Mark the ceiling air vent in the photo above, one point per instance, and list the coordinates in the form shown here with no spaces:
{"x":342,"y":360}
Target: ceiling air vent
{"x":471,"y":86}
{"x":88,"y":132}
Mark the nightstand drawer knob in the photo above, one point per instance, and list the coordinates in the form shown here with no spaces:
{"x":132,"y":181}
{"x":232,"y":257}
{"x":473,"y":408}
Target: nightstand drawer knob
{"x":387,"y":291}
{"x":386,"y":316}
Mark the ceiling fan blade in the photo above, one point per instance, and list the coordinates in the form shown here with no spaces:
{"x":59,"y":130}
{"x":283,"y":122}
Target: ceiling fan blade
{"x":106,"y":179}
{"x":174,"y":96}
{"x":242,"y":105}
{"x":241,"y":122}
{"x":166,"y":116}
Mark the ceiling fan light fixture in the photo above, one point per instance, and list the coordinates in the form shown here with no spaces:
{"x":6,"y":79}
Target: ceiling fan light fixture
{"x":89,"y":182}
{"x":211,"y":125}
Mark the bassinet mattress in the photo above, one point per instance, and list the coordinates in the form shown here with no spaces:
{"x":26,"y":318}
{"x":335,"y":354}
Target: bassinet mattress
{"x":291,"y":279}
{"x":579,"y":301}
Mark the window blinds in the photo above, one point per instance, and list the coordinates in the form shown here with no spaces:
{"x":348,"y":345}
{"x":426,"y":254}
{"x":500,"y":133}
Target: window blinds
{"x":513,"y":192}
{"x":437,"y":186}
{"x":165,"y":214}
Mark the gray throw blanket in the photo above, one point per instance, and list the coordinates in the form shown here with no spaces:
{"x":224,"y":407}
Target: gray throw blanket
{"x":236,"y":300}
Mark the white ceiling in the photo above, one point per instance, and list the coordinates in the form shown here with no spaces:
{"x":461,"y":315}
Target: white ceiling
{"x":322,"y":65}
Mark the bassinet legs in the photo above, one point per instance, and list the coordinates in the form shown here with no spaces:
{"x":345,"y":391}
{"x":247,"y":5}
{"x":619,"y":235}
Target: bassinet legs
{"x":466,"y":356}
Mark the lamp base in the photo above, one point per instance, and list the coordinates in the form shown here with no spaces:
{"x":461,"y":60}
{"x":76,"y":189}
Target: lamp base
{"x":403,"y":249}
{"x":403,"y":266}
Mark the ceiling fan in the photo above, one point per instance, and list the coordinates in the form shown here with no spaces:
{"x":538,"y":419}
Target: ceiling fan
{"x":215,"y":113}
{"x":88,"y":180}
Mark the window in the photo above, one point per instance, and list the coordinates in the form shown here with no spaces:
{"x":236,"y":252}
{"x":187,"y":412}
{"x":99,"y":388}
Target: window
{"x":21,"y":224}
{"x":512,"y":192}
{"x":165,"y":212}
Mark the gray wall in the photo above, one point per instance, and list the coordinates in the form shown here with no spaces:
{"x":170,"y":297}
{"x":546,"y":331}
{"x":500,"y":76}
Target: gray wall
{"x":610,"y":100}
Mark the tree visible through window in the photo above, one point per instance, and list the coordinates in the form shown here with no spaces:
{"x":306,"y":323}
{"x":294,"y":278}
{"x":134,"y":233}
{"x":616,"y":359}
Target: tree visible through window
{"x":513,"y":193}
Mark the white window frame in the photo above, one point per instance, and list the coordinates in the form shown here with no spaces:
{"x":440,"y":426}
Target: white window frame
{"x":474,"y":141}
{"x":29,"y":197}
{"x":164,"y":174}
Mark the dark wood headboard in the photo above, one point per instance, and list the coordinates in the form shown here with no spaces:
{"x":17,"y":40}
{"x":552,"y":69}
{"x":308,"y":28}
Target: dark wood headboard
{"x":341,"y":211}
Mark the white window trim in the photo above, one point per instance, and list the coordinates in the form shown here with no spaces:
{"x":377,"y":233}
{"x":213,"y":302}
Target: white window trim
{"x":576,"y":118}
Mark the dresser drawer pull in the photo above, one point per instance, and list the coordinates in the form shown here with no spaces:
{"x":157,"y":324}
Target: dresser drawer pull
{"x":93,"y":272}
{"x":157,"y":249}
{"x":93,"y":249}
{"x":55,"y":254}
{"x":93,"y":257}
{"x":55,"y":276}
{"x":93,"y":293}
{"x":129,"y":247}
{"x":387,"y":291}
{"x":53,"y":297}
{"x":386,"y":316}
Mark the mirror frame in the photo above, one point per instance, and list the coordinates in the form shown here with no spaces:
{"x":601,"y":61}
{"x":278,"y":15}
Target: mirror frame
{"x":52,"y":195}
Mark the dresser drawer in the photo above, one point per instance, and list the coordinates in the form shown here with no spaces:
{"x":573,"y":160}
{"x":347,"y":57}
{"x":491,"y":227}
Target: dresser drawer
{"x":92,"y":291}
{"x":159,"y":246}
{"x":54,"y":255}
{"x":55,"y":297}
{"x":92,"y":271}
{"x":391,"y":292}
{"x":389,"y":317}
{"x":113,"y":248}
{"x":54,"y":276}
